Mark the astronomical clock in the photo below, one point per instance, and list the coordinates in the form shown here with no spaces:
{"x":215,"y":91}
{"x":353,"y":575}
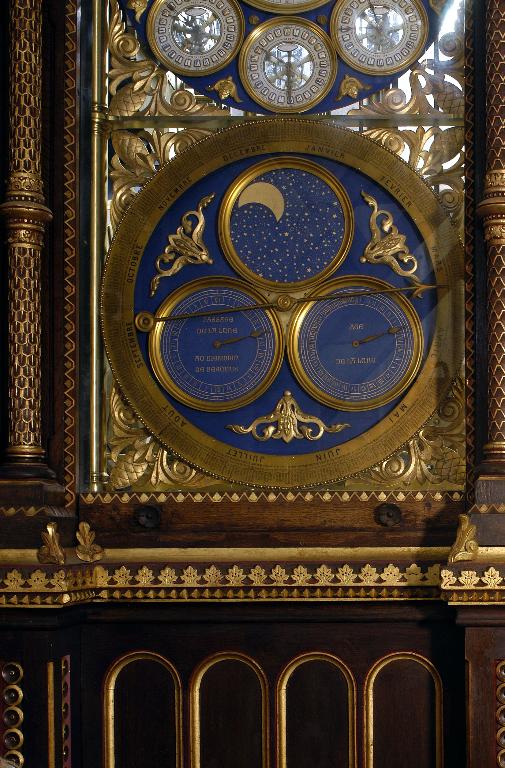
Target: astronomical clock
{"x":286,"y":57}
{"x":258,"y":405}
{"x":282,"y":302}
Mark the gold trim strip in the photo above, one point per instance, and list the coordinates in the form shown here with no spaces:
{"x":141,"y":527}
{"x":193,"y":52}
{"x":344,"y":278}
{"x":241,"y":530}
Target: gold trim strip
{"x":369,"y":703}
{"x":282,"y":553}
{"x":51,"y":745}
{"x":252,"y":554}
{"x":97,"y":238}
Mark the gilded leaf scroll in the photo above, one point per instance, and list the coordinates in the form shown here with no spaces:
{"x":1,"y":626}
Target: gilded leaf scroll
{"x":435,"y":455}
{"x":184,"y":247}
{"x":387,"y":246}
{"x":137,"y":461}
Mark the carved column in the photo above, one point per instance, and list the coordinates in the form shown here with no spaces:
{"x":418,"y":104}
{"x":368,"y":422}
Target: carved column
{"x":26,"y":217}
{"x":492,"y":209}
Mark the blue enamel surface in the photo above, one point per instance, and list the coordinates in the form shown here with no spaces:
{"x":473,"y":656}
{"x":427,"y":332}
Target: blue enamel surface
{"x":313,"y":220}
{"x":215,"y":359}
{"x":215,"y":424}
{"x":345,"y":371}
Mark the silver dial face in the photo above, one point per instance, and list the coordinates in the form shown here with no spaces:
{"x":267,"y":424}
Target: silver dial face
{"x":287,"y":65}
{"x":193,"y":39}
{"x":379,"y":37}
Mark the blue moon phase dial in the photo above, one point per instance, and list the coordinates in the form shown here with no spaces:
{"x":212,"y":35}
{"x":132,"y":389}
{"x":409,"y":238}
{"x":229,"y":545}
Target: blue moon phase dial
{"x":359,"y":350}
{"x":208,"y":352}
{"x":286,"y":223}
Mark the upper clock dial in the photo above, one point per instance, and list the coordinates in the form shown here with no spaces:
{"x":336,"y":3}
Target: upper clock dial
{"x":195,"y":38}
{"x":287,"y":65}
{"x":379,"y":37}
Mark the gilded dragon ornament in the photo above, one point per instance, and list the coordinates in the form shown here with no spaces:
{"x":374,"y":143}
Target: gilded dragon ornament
{"x":387,"y":246}
{"x":186,"y":246}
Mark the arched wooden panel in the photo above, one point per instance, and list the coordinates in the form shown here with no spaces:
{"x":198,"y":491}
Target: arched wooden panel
{"x":403,"y":695}
{"x":142,"y":713}
{"x":229,"y":713}
{"x":316,"y":704}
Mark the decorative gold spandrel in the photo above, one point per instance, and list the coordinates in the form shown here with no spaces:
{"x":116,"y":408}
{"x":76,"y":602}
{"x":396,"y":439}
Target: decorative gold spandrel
{"x":434,"y":456}
{"x":87,"y":550}
{"x":51,"y":550}
{"x":137,"y":461}
{"x":138,"y":86}
{"x":465,"y":546}
{"x":387,"y":246}
{"x":287,"y":422}
{"x":137,"y":157}
{"x":184,"y":247}
{"x":436,"y":90}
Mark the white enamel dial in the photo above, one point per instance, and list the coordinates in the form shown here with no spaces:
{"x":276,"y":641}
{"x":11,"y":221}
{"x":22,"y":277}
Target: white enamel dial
{"x":379,"y":37}
{"x":195,"y":38}
{"x":287,"y":65}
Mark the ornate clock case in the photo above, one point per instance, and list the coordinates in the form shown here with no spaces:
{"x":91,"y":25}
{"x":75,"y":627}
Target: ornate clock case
{"x":252,"y":491}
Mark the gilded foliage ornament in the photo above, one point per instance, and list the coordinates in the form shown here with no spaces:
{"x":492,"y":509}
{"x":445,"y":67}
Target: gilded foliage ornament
{"x":465,"y":546}
{"x":435,"y":454}
{"x":87,"y":550}
{"x":387,"y":245}
{"x":287,"y":422}
{"x":139,"y":6}
{"x":138,"y":461}
{"x":51,"y":550}
{"x":184,"y":247}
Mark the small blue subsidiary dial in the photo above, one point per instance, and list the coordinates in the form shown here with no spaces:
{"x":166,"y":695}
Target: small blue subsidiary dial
{"x":208,"y":352}
{"x":359,"y":350}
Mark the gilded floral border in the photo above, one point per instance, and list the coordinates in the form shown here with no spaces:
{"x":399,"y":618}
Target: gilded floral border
{"x":218,"y":582}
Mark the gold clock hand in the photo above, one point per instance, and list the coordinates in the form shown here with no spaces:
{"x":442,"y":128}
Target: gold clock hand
{"x":217,"y":344}
{"x":145,"y":321}
{"x":392,"y":331}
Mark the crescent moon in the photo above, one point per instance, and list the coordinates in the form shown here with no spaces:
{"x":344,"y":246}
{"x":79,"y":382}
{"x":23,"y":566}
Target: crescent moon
{"x":264,"y":194}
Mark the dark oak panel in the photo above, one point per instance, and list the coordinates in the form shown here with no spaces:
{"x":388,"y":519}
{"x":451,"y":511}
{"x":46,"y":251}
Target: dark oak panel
{"x":228,"y":724}
{"x":142,"y":712}
{"x":316,"y":715}
{"x":404,"y":712}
